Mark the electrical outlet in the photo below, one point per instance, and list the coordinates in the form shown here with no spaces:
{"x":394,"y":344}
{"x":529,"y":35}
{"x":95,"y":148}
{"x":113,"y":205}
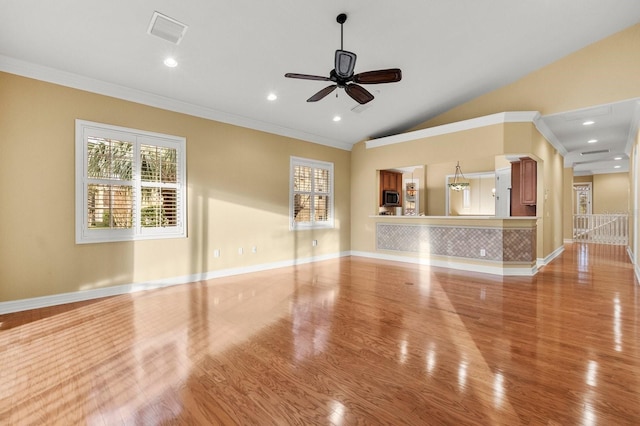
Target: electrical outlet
{"x":216,"y":253}
{"x":240,"y":250}
{"x":483,"y":252}
{"x":314,"y":243}
{"x":254,"y":249}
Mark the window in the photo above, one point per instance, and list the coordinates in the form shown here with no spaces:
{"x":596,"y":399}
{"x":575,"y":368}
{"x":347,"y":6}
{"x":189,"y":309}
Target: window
{"x":130,"y":184}
{"x":311,"y":195}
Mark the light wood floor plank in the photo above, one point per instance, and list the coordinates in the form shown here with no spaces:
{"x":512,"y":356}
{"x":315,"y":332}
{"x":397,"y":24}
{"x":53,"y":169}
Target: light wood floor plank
{"x":339,"y":342}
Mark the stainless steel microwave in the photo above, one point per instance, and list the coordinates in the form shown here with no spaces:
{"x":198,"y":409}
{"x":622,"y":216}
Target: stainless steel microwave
{"x":390,"y":198}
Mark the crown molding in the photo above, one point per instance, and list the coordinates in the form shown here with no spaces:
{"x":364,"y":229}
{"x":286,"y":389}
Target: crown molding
{"x":459,"y":126}
{"x":544,"y":129}
{"x":633,"y":129}
{"x":76,"y":81}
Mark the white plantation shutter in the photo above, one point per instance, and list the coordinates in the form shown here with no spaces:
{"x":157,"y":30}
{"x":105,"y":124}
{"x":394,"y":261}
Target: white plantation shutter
{"x":109,"y":182}
{"x":160,"y":186}
{"x":311,"y":194}
{"x":130,"y":184}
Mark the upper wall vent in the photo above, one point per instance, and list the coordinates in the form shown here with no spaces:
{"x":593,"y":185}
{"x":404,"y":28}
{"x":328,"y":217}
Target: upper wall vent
{"x":166,"y":28}
{"x":600,"y":151}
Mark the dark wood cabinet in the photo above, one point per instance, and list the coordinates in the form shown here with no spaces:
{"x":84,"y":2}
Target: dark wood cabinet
{"x":528,"y":181}
{"x":524,"y":187}
{"x":390,"y":181}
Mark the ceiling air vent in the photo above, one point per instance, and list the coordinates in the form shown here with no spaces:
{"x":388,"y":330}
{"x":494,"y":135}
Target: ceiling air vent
{"x":600,"y":151}
{"x":360,"y":107}
{"x":166,"y":28}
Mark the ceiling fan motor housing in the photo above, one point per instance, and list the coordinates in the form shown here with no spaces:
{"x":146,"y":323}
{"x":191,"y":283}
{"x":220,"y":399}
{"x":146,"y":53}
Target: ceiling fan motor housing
{"x":343,"y":77}
{"x":345,"y":63}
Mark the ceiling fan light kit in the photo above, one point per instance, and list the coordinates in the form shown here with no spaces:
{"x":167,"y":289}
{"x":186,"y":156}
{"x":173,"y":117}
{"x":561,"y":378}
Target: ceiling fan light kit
{"x":343,"y":75}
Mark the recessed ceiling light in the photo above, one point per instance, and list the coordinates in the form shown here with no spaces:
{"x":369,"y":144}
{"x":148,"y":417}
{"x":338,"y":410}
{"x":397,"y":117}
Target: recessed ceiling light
{"x":171,"y":63}
{"x":617,"y":158}
{"x":588,"y":123}
{"x":616,"y":167}
{"x":337,"y":118}
{"x":592,"y":141}
{"x":272,"y":97}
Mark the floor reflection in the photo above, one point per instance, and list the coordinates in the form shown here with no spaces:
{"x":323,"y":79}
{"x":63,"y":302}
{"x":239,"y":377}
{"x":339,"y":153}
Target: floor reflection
{"x":311,"y":317}
{"x":340,"y":342}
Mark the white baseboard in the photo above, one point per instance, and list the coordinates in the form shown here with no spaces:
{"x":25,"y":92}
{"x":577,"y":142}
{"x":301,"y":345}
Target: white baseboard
{"x":487,"y":269}
{"x":83,"y":295}
{"x":545,"y":261}
{"x":636,"y":267}
{"x":80,"y":296}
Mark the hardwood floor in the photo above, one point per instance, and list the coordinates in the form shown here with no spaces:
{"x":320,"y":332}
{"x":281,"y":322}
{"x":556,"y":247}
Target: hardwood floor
{"x":340,"y":342}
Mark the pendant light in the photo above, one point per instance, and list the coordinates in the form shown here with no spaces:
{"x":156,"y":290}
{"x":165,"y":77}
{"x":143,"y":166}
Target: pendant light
{"x":457,"y":184}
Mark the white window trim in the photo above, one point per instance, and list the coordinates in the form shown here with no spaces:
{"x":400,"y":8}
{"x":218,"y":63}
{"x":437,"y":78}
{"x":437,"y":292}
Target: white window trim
{"x":84,"y":234}
{"x":299,"y":161}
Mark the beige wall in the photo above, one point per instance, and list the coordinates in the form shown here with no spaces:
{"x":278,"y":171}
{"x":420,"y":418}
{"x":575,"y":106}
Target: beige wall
{"x":238,"y":178}
{"x":610,"y":193}
{"x":238,"y":183}
{"x":583,"y":179}
{"x":568,"y":207}
{"x":550,"y":191}
{"x":604,"y":72}
{"x":524,"y":139}
{"x":476,"y":150}
{"x":634,"y":194}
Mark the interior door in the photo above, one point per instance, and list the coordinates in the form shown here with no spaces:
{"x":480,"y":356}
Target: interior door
{"x":583,"y":198}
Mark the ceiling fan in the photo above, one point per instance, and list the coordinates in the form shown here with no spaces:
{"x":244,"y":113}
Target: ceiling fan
{"x":343,"y":77}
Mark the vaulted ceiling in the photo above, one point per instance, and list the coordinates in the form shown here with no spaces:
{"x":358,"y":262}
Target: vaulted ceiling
{"x":235,"y":53}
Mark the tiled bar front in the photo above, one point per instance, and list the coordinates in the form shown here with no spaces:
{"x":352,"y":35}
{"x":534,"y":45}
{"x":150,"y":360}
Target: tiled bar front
{"x":506,"y":246}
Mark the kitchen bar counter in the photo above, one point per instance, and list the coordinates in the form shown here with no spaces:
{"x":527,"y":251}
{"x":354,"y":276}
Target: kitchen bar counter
{"x":497,"y":245}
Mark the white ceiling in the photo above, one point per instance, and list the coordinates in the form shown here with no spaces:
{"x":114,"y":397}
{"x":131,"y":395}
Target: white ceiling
{"x":235,"y":53}
{"x":601,"y":147}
